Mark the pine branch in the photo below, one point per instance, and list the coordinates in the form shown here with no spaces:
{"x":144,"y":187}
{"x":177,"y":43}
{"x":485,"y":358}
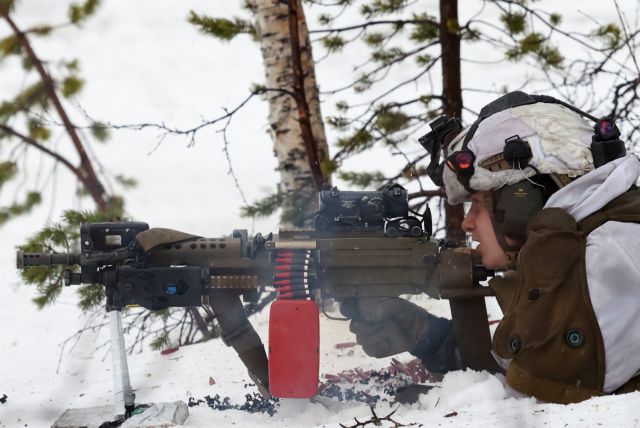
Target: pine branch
{"x":552,"y":27}
{"x":385,"y":65}
{"x":221,"y":28}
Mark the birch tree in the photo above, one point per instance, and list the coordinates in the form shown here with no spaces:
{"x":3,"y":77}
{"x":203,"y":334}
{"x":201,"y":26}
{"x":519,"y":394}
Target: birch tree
{"x":295,"y":120}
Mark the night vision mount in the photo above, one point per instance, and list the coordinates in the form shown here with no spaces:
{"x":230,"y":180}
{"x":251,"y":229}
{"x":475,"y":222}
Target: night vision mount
{"x":443,"y":130}
{"x":605,"y":143}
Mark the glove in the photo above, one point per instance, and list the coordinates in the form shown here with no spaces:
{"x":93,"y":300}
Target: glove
{"x":386,"y":325}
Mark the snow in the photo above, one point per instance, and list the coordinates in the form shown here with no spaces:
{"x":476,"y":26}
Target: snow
{"x":143,"y":63}
{"x":37,"y":395}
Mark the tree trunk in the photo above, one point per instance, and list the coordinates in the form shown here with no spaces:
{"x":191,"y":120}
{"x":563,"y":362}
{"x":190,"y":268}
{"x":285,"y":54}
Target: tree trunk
{"x":296,"y":167}
{"x":452,"y":97}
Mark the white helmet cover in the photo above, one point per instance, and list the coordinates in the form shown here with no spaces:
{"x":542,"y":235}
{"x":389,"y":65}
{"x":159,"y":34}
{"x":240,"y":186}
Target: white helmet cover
{"x":560,"y":142}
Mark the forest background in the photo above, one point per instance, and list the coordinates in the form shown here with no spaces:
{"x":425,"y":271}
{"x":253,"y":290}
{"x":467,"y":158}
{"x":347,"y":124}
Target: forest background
{"x":144,"y":63}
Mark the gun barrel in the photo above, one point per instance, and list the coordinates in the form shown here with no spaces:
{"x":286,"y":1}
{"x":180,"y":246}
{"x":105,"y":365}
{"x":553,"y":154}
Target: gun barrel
{"x":24,"y":260}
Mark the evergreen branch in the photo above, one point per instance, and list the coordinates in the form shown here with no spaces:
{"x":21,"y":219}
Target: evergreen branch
{"x":87,"y":173}
{"x":336,"y":3}
{"x":386,"y":65}
{"x":43,"y":30}
{"x":370,"y":104}
{"x":363,"y":127}
{"x":221,"y":28}
{"x":610,"y":54}
{"x":552,"y":28}
{"x":493,"y":27}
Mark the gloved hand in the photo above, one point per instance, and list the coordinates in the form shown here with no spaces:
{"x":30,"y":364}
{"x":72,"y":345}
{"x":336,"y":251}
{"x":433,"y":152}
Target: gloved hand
{"x":386,"y":325}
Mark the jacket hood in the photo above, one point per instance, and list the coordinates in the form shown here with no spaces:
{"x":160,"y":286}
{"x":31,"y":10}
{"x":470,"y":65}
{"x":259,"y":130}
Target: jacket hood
{"x":594,"y":190}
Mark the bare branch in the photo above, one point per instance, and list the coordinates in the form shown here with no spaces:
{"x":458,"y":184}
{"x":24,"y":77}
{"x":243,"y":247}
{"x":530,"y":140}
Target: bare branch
{"x":228,"y":156}
{"x":364,"y":25}
{"x":30,"y":141}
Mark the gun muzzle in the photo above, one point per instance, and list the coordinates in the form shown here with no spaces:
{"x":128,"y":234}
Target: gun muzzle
{"x":24,"y":260}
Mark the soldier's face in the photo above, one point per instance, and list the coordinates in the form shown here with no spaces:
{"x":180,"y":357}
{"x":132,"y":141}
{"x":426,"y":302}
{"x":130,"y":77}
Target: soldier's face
{"x":477,"y":223}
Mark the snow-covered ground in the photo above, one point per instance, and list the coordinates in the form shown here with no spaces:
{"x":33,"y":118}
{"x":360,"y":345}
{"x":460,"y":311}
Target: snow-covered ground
{"x":37,"y":394}
{"x":143,"y":62}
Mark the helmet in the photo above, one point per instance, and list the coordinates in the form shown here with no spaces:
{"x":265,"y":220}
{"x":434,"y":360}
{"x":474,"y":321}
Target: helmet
{"x":523,"y":148}
{"x":517,"y":137}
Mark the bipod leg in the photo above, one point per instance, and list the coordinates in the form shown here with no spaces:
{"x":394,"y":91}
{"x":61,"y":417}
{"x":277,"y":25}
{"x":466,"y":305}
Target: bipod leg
{"x":124,"y":397}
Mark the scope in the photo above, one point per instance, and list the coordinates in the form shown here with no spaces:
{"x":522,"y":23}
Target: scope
{"x":345,"y":211}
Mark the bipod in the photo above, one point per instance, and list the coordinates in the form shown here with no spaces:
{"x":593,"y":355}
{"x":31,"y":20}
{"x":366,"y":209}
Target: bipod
{"x":123,"y":394}
{"x":126,"y":413}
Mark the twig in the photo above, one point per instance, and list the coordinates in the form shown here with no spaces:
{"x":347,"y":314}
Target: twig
{"x":364,"y":25}
{"x":227,"y":155}
{"x":377,"y":420}
{"x":626,"y":35}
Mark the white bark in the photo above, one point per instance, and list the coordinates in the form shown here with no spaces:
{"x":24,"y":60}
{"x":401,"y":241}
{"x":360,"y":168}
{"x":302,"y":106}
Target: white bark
{"x":272,"y":24}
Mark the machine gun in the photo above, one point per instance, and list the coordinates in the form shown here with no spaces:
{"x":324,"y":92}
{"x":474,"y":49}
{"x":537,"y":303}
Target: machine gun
{"x":364,"y":244}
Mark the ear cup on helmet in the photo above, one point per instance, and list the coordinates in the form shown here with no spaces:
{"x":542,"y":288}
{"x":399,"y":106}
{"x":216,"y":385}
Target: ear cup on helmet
{"x":515,"y":205}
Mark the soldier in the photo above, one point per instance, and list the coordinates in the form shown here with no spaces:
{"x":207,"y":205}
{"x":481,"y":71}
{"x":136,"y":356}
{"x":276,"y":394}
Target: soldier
{"x":554,"y":205}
